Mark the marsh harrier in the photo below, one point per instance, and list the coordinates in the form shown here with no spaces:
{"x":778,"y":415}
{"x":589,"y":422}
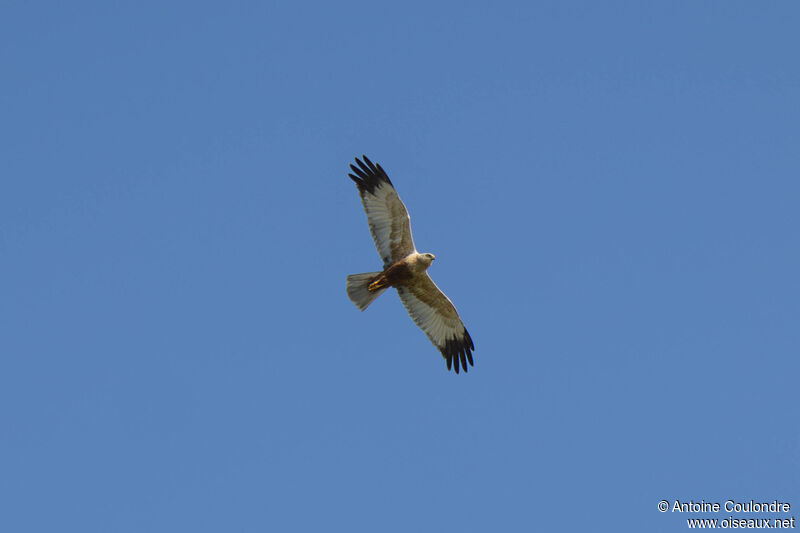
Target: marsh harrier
{"x":404,"y":268}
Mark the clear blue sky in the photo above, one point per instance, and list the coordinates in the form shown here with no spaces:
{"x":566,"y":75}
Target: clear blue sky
{"x":612,"y":191}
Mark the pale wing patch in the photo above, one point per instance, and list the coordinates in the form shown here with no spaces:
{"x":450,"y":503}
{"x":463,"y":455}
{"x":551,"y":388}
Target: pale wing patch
{"x":435,"y":314}
{"x":387,"y":217}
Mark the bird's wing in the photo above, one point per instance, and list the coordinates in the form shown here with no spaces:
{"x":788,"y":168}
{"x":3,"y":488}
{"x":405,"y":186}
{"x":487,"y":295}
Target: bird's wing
{"x":435,"y":314}
{"x":387,"y":217}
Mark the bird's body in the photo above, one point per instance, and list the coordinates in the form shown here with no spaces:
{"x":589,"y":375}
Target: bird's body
{"x":404,"y":268}
{"x":401,"y":272}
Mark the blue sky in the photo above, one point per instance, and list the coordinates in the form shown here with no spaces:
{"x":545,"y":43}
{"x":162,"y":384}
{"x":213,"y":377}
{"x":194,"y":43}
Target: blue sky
{"x":611,"y":191}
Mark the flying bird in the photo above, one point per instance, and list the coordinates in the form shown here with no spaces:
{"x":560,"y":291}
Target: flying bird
{"x":404,"y":268}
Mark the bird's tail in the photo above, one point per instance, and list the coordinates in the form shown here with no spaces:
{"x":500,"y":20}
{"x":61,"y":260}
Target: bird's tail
{"x":358,"y":291}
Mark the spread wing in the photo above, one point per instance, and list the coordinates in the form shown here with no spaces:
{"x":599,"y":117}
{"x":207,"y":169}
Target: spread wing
{"x":387,"y":217}
{"x":435,"y":314}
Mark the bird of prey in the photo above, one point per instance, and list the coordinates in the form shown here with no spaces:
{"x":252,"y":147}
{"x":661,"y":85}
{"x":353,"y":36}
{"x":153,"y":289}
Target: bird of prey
{"x":404,"y":268}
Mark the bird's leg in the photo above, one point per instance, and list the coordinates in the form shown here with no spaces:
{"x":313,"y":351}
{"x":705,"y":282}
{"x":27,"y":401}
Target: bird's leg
{"x":378,"y":284}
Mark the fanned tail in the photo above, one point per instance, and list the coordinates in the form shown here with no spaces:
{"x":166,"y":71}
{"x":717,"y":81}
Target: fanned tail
{"x":358,"y":291}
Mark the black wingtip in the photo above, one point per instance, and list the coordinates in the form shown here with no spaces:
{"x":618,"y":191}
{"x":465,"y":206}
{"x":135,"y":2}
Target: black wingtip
{"x":368,"y":175}
{"x":458,"y":352}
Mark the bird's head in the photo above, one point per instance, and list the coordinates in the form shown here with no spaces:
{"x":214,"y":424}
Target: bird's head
{"x":426,"y":259}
